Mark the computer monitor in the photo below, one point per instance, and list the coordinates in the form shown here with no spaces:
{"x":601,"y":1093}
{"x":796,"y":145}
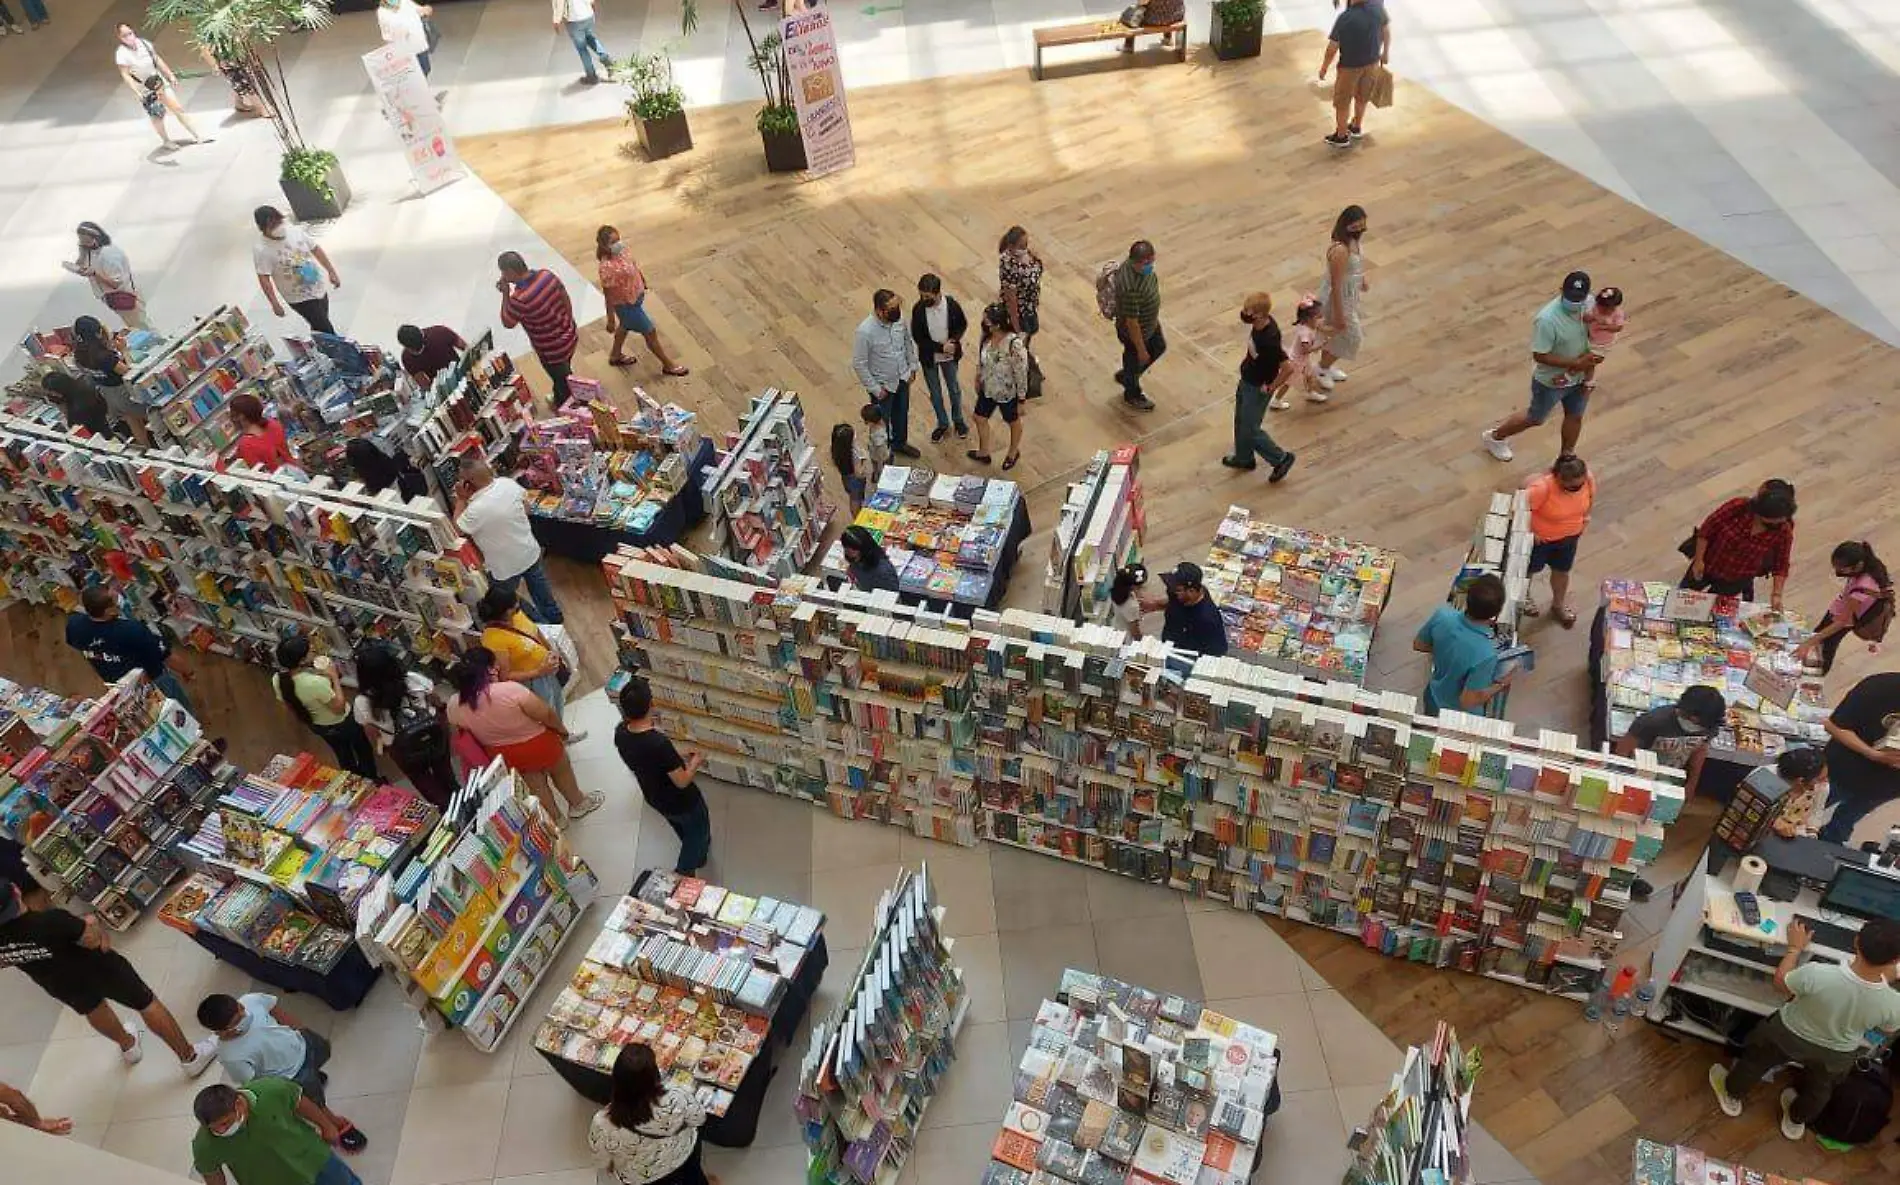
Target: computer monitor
{"x":1861,"y":893}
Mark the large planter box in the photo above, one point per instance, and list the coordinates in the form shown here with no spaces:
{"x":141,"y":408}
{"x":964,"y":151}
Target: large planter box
{"x":661,"y":138}
{"x":309,"y":205}
{"x":1236,"y":41}
{"x":784,"y":154}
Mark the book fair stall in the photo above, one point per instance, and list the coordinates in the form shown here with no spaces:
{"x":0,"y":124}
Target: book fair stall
{"x":1119,"y":1084}
{"x":52,"y":351}
{"x":765,"y":492}
{"x":1418,"y":1130}
{"x":714,"y":981}
{"x":953,"y":540}
{"x":1501,"y":547}
{"x":1098,"y":533}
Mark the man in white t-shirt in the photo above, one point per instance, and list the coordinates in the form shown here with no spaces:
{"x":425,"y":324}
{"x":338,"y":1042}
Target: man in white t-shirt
{"x":577,"y":17}
{"x":292,"y":269}
{"x":492,"y":511}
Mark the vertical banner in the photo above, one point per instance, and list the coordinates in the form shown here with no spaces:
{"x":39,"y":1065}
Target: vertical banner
{"x":811,"y":55}
{"x":411,"y":109}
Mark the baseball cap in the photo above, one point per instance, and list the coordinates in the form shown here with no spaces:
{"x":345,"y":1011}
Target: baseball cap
{"x":1577,"y":286}
{"x":1184,"y":574}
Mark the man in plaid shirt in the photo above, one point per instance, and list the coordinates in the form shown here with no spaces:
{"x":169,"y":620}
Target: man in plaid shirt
{"x":1745,"y":538}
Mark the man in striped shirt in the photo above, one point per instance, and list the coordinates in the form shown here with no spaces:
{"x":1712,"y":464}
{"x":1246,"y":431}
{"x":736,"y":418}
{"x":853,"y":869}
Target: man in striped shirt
{"x":537,"y":301}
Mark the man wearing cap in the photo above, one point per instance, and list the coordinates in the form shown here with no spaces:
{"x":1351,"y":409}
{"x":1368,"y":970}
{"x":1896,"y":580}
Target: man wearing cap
{"x":1561,"y":357}
{"x":1190,"y":618}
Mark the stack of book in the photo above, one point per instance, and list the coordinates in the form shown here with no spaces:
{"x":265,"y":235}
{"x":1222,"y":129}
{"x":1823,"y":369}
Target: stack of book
{"x":30,"y":714}
{"x":874,"y":1063}
{"x":584,"y":468}
{"x":470,"y":925}
{"x":1678,"y":1164}
{"x":1123,"y":1085}
{"x":765,"y":493}
{"x":946,"y":535}
{"x":1455,"y":840}
{"x":1501,"y":547}
{"x":1417,"y":1133}
{"x":103,"y":804}
{"x":1297,"y":600}
{"x":1098,"y":532}
{"x":340,"y":389}
{"x":1659,"y":640}
{"x":186,"y":388}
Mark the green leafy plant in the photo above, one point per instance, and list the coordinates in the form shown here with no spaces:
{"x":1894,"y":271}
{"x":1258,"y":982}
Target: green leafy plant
{"x":245,"y":33}
{"x":311,"y":168}
{"x":778,"y":117}
{"x":649,"y":78}
{"x":778,"y":121}
{"x":1240,"y":13}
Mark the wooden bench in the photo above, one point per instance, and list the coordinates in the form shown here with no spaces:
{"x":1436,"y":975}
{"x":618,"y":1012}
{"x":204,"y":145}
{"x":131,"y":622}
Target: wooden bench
{"x":1105,"y":30}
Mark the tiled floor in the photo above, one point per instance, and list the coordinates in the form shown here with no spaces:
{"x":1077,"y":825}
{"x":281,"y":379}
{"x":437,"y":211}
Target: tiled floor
{"x":439,"y":1112}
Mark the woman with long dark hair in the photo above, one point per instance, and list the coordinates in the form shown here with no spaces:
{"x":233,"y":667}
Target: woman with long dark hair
{"x":261,"y":441}
{"x":518,"y":726}
{"x":865,"y":562}
{"x":648,"y":1133}
{"x":403,"y":717}
{"x":315,"y":696}
{"x":1019,"y":287}
{"x":101,"y":357}
{"x":522,"y":652}
{"x":1867,"y":582}
{"x":1339,"y":292}
{"x":378,"y":470}
{"x":1744,"y":539}
{"x":1002,"y":384}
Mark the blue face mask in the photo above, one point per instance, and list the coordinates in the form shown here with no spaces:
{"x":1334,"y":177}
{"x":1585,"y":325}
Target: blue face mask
{"x":1147,"y":269}
{"x":1573,"y":306}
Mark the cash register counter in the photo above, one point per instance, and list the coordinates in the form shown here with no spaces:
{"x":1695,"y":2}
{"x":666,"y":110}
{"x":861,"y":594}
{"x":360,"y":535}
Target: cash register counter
{"x":1715,"y":973}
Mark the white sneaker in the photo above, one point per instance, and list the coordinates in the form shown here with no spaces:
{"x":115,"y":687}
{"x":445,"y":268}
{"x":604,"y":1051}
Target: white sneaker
{"x":1279,"y":403}
{"x":203,"y":1054}
{"x":592,"y":801}
{"x":576,"y":736}
{"x":135,"y":1053}
{"x":1789,"y":1128}
{"x":1495,"y":447}
{"x":1322,"y":382}
{"x":1718,"y":1082}
{"x":1335,"y":374}
{"x":1317,"y":396}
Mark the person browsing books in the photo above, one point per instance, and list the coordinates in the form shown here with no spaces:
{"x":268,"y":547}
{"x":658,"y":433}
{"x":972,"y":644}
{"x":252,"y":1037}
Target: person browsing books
{"x":1804,"y":772}
{"x":1822,"y":1029}
{"x":258,"y":1038}
{"x":115,"y":644}
{"x":1866,"y":585}
{"x":309,"y":685}
{"x":1678,"y":734}
{"x":493,"y":512}
{"x":1464,"y":650}
{"x":261,"y":442}
{"x":537,"y":302}
{"x":1189,"y":617}
{"x":1742,"y":539}
{"x":665,"y":778}
{"x":865,"y":562}
{"x":648,"y":1133}
{"x":523,"y":652}
{"x":1863,"y":754}
{"x":428,"y":352}
{"x":522,"y":729}
{"x":403,"y":717}
{"x":884,"y":357}
{"x":265,"y":1133}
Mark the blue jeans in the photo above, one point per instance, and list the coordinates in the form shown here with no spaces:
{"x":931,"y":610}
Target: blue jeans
{"x":1250,"y":411}
{"x":35,"y":10}
{"x":541,"y":603}
{"x":1851,"y":804}
{"x":422,"y":59}
{"x":1544,"y":400}
{"x":548,"y":687}
{"x":937,"y":376}
{"x":335,"y":1172}
{"x":694,"y":828}
{"x":581,"y":33}
{"x":896,"y":409}
{"x":172,"y":686}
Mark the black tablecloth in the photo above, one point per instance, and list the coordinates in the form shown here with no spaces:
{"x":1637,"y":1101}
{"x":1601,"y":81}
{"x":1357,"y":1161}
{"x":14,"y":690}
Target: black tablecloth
{"x":342,"y":989}
{"x":590,"y":543}
{"x":1721,"y":771}
{"x":737,"y":1127}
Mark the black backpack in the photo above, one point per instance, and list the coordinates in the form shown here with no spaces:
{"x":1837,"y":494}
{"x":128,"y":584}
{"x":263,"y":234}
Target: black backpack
{"x":421,"y":736}
{"x":1858,"y":1109}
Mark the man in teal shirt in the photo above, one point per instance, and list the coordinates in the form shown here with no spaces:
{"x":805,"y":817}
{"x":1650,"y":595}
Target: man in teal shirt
{"x":1464,"y":650}
{"x":1560,"y":363}
{"x":265,"y":1133}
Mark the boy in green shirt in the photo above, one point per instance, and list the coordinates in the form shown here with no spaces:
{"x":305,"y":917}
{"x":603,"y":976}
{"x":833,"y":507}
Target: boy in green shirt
{"x":1822,"y":1028}
{"x":265,"y":1133}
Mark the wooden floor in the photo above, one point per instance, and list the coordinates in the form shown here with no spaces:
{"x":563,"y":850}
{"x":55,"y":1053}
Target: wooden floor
{"x":1724,"y":378}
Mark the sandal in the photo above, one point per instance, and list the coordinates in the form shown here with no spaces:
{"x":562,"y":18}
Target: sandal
{"x":1566,"y":616}
{"x":1009,"y":462}
{"x":1530,"y":609}
{"x":983,"y":458}
{"x":621,"y":360}
{"x":678,"y":372}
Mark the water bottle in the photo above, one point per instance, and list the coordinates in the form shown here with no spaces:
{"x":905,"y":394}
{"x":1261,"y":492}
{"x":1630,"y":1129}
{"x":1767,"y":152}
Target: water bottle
{"x":1619,"y":1009}
{"x":1645,"y":996}
{"x":1599,"y":1000}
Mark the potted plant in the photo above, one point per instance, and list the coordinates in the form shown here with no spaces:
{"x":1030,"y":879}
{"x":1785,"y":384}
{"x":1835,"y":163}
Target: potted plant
{"x":657,"y":105}
{"x":244,"y":35}
{"x":1237,"y":27}
{"x":778,"y":119}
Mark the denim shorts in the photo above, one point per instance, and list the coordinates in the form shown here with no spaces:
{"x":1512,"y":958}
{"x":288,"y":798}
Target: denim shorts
{"x":1557,"y":554}
{"x":633,"y":317}
{"x":1544,"y":400}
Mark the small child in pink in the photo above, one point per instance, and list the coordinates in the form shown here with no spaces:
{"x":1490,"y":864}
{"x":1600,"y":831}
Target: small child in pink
{"x":1303,"y":351}
{"x":1604,"y":321}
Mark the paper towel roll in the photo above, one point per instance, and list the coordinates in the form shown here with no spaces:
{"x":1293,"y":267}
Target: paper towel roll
{"x":1748,"y":877}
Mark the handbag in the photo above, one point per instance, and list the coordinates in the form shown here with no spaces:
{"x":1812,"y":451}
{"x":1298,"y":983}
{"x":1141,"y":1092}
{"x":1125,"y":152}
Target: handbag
{"x":1381,"y":95}
{"x":563,"y":644}
{"x":1135,"y":15}
{"x":563,"y":672}
{"x":122,"y":300}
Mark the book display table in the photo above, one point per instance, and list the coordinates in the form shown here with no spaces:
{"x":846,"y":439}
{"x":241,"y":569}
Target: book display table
{"x":1650,"y":641}
{"x":589,"y":542}
{"x":1123,"y":1084}
{"x":714,"y":981}
{"x":1297,"y":600}
{"x":953,"y":539}
{"x":1501,"y":547}
{"x":1417,"y":1131}
{"x":187,"y":386}
{"x":342,"y":986}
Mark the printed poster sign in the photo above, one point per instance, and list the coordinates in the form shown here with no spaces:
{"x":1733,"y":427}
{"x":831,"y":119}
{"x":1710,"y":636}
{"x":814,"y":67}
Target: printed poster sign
{"x":410,"y":107}
{"x":811,"y":56}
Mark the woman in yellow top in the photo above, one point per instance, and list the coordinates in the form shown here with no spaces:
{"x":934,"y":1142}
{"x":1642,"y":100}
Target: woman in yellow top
{"x":523,"y":654}
{"x":1560,"y":504}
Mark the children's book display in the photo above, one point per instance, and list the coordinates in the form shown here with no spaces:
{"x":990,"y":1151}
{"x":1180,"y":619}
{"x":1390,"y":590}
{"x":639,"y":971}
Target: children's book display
{"x":104,"y":801}
{"x":287,"y":853}
{"x":875,"y":1062}
{"x":471,"y":924}
{"x":1098,"y":532}
{"x":234,"y":559}
{"x":1417,"y":1132}
{"x":479,"y":404}
{"x":590,"y":467}
{"x":1455,"y":840}
{"x":693,"y":971}
{"x":30,"y":714}
{"x":1501,"y":547}
{"x":1659,"y":640}
{"x":946,"y":535}
{"x":1678,"y":1164}
{"x":1121,"y":1084}
{"x":186,"y":387}
{"x":766,"y":492}
{"x":1297,"y":600}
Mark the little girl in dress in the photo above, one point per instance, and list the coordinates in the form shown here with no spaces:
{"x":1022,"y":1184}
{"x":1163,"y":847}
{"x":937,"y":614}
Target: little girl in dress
{"x":1605,"y":321}
{"x":1303,"y":352}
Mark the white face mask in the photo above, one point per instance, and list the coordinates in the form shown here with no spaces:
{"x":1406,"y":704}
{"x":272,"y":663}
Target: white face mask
{"x":233,"y":1130}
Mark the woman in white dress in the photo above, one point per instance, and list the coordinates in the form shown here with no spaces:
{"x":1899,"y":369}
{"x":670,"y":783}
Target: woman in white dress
{"x":106,"y":268}
{"x":1339,"y":293}
{"x":150,"y":77}
{"x":648,"y":1133}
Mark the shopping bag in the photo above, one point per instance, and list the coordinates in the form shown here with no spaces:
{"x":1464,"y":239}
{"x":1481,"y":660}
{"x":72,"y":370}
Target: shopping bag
{"x":1381,"y":87}
{"x":564,"y":648}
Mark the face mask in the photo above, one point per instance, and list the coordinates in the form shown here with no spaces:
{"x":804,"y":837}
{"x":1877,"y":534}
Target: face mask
{"x":1356,"y":235}
{"x":617,"y":248}
{"x":233,"y":1130}
{"x":1689,"y":726}
{"x":1147,"y":269}
{"x":1573,"y":306}
{"x":242,"y":1027}
{"x":892,"y":314}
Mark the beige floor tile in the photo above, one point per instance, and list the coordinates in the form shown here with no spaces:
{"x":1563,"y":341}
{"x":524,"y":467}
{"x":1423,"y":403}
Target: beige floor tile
{"x":156,"y":1088}
{"x":1304,"y":1141}
{"x":90,"y":1134}
{"x":780,"y":1165}
{"x":450,"y":1058}
{"x":451,"y":1133}
{"x":849,"y":897}
{"x":81,"y":1079}
{"x":545,"y":1130}
{"x":912,"y":847}
{"x":951,"y":1155}
{"x":1492,"y":1163}
{"x":767,"y":832}
{"x":1154,"y":952}
{"x":1033,"y":891}
{"x":164,"y":1144}
{"x":851,"y":843}
{"x":832,"y":985}
{"x":27,"y":1014}
{"x":379,"y":1117}
{"x":374,"y":1051}
{"x":1239,"y":955}
{"x":1113,"y":898}
{"x":1033,"y":962}
{"x":1356,"y":1103}
{"x":981,"y":959}
{"x":568,"y":1177}
{"x":184,"y":974}
{"x":975,"y":1089}
{"x":1287,"y":1017}
{"x":778,"y":1123}
{"x":18,"y":1063}
{"x":965,"y":889}
{"x":1357,"y":1053}
{"x":1193,"y":904}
